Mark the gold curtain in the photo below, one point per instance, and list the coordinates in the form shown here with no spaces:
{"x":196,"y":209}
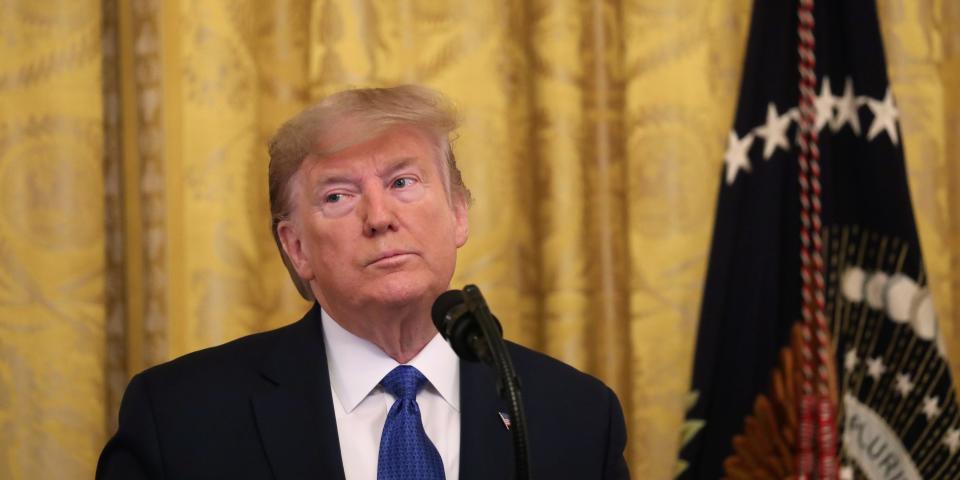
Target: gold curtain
{"x":133,"y":216}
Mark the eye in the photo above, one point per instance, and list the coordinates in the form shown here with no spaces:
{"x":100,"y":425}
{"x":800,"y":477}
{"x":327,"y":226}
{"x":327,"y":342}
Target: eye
{"x":333,"y":198}
{"x":403,"y":182}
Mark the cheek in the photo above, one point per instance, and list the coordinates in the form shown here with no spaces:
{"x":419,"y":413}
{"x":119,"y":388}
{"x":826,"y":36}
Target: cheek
{"x":325,"y":247}
{"x":441,"y":232}
{"x":437,"y":226}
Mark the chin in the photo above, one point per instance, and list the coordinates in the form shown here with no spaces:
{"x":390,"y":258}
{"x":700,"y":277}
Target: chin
{"x":400,"y":292}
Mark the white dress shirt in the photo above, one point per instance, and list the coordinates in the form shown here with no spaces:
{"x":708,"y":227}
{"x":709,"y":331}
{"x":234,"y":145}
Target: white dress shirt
{"x":360,"y":404}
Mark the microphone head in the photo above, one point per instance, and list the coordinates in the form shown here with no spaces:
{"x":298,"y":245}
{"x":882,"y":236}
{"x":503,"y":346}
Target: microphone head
{"x":456,"y":324}
{"x":441,"y":306}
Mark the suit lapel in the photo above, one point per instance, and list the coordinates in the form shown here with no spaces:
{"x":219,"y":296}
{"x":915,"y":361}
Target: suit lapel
{"x":299,"y":430}
{"x":486,"y":449}
{"x":295,"y":414}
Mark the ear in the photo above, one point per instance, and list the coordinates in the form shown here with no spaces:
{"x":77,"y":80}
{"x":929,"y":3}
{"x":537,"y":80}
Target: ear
{"x":461,"y":217}
{"x":293,"y":246}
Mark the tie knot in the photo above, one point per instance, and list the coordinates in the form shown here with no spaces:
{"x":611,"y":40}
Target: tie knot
{"x":403,"y":382}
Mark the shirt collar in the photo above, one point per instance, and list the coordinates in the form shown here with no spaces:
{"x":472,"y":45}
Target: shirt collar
{"x":357,"y":365}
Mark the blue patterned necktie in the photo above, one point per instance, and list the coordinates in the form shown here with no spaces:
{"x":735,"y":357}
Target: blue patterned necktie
{"x":406,"y":452}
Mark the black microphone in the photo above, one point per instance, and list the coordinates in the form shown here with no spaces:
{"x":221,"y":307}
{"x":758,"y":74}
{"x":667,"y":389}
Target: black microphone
{"x":458,"y":324}
{"x":464,"y":320}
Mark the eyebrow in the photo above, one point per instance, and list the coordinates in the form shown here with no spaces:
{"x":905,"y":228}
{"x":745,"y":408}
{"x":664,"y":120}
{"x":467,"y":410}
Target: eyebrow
{"x":399,"y":164}
{"x":334,"y":178}
{"x":338,"y":177}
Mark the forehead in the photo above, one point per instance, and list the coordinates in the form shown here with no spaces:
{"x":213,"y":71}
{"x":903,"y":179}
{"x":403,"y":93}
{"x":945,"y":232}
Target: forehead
{"x":399,"y":144}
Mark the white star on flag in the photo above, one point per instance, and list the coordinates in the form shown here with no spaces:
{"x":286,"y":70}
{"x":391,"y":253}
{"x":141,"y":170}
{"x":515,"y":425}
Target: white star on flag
{"x":824,"y":104}
{"x":850,"y":360}
{"x":875,"y":368}
{"x":952,"y":440}
{"x":885,"y":116}
{"x":847,"y":107}
{"x":904,"y":384}
{"x":774,"y":132}
{"x":794,"y":114}
{"x":931,"y":407}
{"x":736,"y":156}
{"x":846,"y":472}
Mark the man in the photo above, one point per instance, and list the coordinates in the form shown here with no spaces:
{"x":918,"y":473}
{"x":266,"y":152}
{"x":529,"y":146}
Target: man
{"x":369,"y":210}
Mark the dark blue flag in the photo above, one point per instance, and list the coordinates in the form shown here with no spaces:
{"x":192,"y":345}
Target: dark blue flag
{"x":897,"y":413}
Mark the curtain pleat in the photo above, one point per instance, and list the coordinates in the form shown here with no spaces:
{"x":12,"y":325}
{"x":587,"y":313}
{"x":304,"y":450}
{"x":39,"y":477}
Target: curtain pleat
{"x":52,"y":248}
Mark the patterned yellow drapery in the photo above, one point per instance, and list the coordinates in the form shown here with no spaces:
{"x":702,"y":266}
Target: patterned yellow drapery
{"x":133,"y":215}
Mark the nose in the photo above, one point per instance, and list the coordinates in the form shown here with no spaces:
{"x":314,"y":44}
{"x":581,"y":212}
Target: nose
{"x":377,"y":212}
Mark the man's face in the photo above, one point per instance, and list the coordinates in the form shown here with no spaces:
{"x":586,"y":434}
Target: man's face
{"x":374,"y":223}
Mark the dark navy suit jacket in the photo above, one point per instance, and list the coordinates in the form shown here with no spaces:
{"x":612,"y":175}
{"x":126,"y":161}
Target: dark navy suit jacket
{"x":260,"y":407}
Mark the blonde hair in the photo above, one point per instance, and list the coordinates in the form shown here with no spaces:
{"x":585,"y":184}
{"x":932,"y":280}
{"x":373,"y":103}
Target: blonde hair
{"x":349,"y":118}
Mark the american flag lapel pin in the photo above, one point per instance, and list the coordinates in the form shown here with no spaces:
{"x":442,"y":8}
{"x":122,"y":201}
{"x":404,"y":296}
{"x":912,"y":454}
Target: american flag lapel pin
{"x":506,"y":419}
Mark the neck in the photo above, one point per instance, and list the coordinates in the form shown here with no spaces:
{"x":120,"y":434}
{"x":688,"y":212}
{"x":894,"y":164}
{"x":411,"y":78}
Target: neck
{"x":401,"y":332}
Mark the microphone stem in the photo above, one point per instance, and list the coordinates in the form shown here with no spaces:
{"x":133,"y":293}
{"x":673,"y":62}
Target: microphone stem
{"x":508,"y":382}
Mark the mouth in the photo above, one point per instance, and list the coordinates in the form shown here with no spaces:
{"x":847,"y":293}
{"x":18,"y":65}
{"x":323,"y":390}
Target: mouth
{"x":390,"y":256}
